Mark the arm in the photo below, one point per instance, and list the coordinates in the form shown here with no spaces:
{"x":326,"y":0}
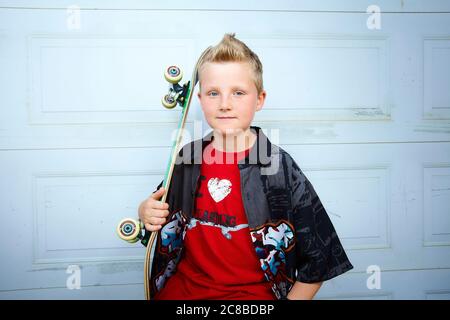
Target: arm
{"x":304,"y":291}
{"x":320,"y":255}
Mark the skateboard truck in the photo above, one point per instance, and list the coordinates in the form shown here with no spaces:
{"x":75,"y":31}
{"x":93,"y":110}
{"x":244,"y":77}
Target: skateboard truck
{"x":177,"y":93}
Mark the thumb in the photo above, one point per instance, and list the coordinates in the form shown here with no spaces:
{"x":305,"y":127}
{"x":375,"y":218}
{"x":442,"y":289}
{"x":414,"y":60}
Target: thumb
{"x":158,"y":193}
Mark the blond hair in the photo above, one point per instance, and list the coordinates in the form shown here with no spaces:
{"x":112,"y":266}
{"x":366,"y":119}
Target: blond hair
{"x":231,"y":49}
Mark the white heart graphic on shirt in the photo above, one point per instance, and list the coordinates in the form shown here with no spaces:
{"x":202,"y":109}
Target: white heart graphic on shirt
{"x":219,"y":189}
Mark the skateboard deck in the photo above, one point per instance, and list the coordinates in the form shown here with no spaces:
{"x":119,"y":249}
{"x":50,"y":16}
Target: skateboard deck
{"x":131,"y":229}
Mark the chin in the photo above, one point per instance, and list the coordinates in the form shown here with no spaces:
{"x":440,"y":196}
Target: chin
{"x":228,"y":131}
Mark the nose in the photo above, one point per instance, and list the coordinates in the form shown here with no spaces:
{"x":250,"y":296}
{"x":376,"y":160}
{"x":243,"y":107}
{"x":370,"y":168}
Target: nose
{"x":225,"y":103}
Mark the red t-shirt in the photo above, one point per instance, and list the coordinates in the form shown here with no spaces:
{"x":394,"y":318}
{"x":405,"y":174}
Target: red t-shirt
{"x":219,"y":259}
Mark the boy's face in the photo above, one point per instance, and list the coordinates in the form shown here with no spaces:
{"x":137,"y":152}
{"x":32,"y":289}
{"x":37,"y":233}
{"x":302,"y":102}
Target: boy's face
{"x":228,"y":96}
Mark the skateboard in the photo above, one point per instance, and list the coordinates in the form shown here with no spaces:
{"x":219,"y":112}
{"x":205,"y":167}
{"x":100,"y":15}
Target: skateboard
{"x":129,"y":229}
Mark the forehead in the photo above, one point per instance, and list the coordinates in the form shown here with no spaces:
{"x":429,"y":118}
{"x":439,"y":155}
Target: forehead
{"x":214,"y":72}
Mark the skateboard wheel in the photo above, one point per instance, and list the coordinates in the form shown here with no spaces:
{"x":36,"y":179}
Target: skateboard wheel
{"x":129,"y":229}
{"x":173,"y":74}
{"x":133,"y":241}
{"x":169,"y":102}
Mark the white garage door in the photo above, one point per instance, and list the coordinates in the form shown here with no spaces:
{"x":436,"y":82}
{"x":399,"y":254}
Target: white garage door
{"x":361,"y":101}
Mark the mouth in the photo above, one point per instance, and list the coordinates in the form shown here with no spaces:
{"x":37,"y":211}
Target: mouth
{"x":225,"y":118}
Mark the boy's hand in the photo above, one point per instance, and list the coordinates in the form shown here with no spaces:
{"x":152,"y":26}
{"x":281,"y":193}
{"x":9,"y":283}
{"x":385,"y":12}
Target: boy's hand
{"x":153,"y":212}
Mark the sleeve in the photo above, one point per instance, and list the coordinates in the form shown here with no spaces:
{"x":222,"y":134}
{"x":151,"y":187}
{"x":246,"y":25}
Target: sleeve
{"x":319,"y":253}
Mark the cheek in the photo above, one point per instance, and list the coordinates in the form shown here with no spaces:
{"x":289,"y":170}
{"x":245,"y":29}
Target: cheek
{"x":207,"y":107}
{"x":248,"y":108}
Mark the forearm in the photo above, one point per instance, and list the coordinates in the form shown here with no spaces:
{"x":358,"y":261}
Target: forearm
{"x":304,"y":291}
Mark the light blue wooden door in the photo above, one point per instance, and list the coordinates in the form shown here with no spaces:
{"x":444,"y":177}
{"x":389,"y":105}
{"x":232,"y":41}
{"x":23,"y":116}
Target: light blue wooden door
{"x":361,"y":100}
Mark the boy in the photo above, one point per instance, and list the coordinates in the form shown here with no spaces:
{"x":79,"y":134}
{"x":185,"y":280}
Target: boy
{"x":244,"y":221}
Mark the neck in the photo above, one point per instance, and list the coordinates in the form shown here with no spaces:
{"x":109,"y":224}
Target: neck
{"x":235,"y":142}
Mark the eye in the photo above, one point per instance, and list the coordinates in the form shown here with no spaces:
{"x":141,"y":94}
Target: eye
{"x":239,"y":93}
{"x":212,"y":94}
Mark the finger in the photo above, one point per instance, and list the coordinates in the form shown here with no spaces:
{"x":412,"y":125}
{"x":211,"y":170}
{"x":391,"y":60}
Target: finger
{"x":160,"y":205}
{"x":147,"y":216}
{"x":156,"y":220}
{"x":152,"y":228}
{"x":149,"y":206}
{"x":160,"y":213}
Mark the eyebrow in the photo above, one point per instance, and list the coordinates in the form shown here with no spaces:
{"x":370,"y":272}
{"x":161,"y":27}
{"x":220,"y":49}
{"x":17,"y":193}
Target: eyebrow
{"x":243,"y":88}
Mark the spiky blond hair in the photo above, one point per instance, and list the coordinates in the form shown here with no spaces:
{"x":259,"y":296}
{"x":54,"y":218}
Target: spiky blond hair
{"x":231,"y":49}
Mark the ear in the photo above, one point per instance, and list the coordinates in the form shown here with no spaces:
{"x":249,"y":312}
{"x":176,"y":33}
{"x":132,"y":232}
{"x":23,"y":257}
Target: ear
{"x":199,"y":92}
{"x":261,"y":100}
{"x":199,"y":96}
